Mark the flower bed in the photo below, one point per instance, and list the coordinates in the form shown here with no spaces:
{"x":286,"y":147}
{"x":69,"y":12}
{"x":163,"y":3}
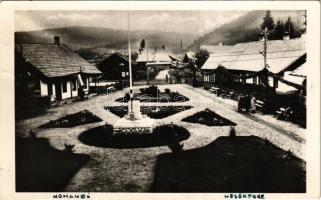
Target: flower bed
{"x":153,"y":94}
{"x":76,"y":119}
{"x":151,"y":111}
{"x":209,"y":118}
{"x":102,"y":136}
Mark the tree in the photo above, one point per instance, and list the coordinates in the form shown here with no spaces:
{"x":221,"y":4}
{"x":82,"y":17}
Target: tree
{"x":142,"y":46}
{"x":268,"y":21}
{"x":291,"y":29}
{"x":134,"y":55}
{"x":201,"y":57}
{"x":278,"y":31}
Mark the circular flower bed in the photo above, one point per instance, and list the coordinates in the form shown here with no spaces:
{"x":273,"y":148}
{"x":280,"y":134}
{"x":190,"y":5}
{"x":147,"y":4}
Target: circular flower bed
{"x":165,"y":135}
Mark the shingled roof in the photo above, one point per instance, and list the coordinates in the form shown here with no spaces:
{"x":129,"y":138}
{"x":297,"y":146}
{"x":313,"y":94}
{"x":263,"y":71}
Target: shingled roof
{"x":154,"y":55}
{"x":55,"y":60}
{"x":247,"y":57}
{"x":216,"y":48}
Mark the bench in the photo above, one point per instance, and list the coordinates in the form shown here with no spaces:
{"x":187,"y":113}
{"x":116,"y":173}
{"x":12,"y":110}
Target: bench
{"x":214,"y":90}
{"x":284,"y":113}
{"x":260,"y":105}
{"x":111,"y":89}
{"x":227,"y":95}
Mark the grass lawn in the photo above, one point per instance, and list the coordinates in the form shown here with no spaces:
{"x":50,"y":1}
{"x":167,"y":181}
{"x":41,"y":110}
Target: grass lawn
{"x":242,"y":164}
{"x":42,"y":168}
{"x":150,"y":111}
{"x":76,"y":119}
{"x":209,"y":118}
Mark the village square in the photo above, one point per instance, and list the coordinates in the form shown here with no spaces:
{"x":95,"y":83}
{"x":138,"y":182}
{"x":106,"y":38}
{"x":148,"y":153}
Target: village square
{"x":225,"y":113}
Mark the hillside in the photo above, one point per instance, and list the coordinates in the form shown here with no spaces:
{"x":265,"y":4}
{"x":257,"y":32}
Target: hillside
{"x":78,"y":37}
{"x":245,"y":28}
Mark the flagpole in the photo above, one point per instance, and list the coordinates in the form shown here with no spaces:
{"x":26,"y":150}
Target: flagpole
{"x":130,"y":65}
{"x":265,"y":46}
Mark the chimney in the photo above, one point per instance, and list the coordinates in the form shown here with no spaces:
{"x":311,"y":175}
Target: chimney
{"x":220,"y":44}
{"x":57,"y":40}
{"x":286,"y":36}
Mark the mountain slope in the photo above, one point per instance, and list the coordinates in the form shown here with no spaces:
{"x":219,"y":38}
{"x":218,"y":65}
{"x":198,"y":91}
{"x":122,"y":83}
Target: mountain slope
{"x":78,"y":37}
{"x":245,"y":28}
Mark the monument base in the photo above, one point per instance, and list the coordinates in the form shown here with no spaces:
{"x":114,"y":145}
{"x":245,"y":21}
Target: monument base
{"x":134,"y":122}
{"x":126,"y":125}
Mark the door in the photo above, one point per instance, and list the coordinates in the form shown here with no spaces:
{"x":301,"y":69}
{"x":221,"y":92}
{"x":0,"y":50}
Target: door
{"x":58,"y":90}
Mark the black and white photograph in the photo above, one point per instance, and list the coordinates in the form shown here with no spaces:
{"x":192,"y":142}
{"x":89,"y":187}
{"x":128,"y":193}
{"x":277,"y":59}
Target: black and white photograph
{"x":162,"y":101}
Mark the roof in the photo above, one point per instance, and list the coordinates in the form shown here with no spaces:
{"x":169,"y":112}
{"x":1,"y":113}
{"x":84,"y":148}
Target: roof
{"x":190,"y":55}
{"x":55,"y":60}
{"x":300,"y":71}
{"x":154,"y":55}
{"x":120,"y":55}
{"x":247,"y":56}
{"x":216,"y":48}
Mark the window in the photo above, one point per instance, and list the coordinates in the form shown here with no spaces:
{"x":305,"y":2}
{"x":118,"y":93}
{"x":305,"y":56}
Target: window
{"x":74,"y":85}
{"x":127,"y":74}
{"x":123,"y":74}
{"x":64,"y":86}
{"x":212,"y":78}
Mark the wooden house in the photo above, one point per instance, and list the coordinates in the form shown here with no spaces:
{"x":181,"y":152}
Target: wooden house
{"x":156,"y":58}
{"x":51,"y":71}
{"x":244,"y":62}
{"x":115,"y":68}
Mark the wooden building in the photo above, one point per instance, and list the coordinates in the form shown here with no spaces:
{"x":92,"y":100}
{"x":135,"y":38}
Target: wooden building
{"x":244,"y":62}
{"x":157,"y":58}
{"x":115,"y":68}
{"x":51,"y":71}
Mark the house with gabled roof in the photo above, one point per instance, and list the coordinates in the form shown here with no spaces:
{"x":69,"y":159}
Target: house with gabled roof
{"x":52,"y":70}
{"x":157,"y":57}
{"x":246,"y":59}
{"x":115,"y":68}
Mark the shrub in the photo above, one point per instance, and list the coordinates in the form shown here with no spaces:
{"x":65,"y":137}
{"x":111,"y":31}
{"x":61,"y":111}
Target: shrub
{"x":127,"y":96}
{"x":167,"y":91}
{"x":232,"y":134}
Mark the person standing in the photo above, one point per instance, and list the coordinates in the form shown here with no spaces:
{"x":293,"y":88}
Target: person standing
{"x":253,"y":102}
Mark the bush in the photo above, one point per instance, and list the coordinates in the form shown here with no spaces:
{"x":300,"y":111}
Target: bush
{"x":232,"y":132}
{"x":167,"y":91}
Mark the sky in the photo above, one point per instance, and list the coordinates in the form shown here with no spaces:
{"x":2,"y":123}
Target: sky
{"x":198,"y":22}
